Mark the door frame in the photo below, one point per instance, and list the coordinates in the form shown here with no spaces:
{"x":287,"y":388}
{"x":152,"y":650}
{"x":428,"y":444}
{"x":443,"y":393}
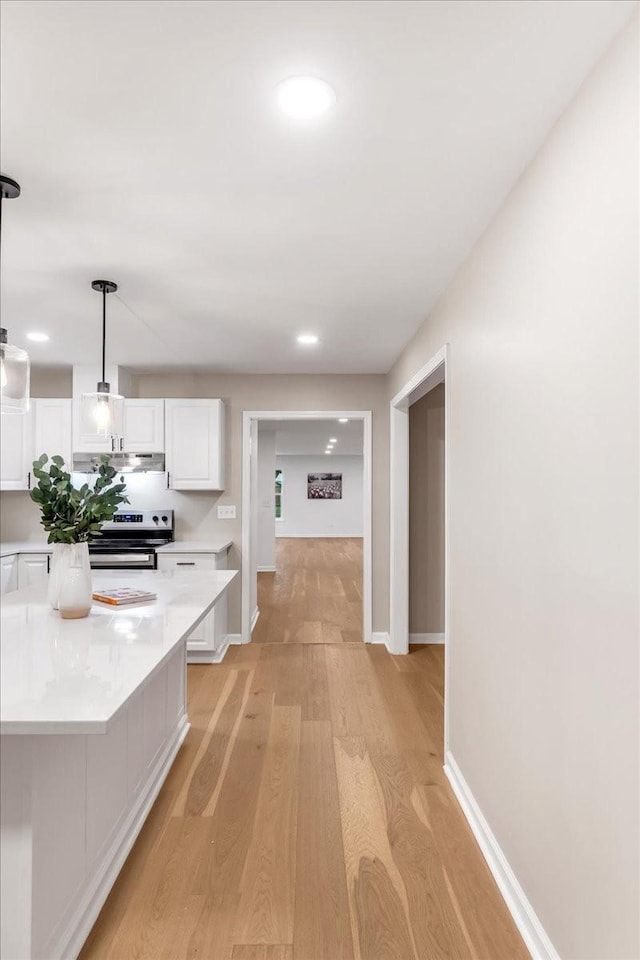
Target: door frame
{"x":250,"y":417}
{"x":435,"y":371}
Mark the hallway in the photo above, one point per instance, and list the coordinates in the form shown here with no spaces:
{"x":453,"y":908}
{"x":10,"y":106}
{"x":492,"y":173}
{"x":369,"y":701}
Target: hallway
{"x":315,"y":596}
{"x":307,"y":817}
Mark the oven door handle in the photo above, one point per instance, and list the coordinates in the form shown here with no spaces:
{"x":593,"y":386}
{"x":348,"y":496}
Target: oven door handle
{"x":121,"y":558}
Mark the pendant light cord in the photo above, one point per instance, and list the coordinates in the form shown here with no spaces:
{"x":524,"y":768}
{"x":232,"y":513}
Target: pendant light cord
{"x":1,"y":199}
{"x":104,"y":329}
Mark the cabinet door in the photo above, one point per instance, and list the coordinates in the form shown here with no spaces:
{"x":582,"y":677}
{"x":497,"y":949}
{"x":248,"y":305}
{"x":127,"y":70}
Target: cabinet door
{"x":204,"y":636}
{"x":195,"y":444}
{"x":52,"y":428}
{"x":15,"y":451}
{"x":33,"y":569}
{"x":144,"y":426}
{"x":87,"y":442}
{"x":9,"y":574}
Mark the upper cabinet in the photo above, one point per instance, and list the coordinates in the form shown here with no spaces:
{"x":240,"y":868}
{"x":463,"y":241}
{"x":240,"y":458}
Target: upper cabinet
{"x":189,"y":432}
{"x":143,"y":430}
{"x":46,"y":428}
{"x":194,"y":431}
{"x":52,"y":428}
{"x":87,"y":442}
{"x":143,"y":426}
{"x":16,"y":453}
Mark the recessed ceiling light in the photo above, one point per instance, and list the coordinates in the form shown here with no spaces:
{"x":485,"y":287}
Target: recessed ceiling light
{"x":307,"y":339}
{"x":305,"y":97}
{"x":343,"y":420}
{"x":332,"y":440}
{"x":327,"y":452}
{"x":38,"y":337}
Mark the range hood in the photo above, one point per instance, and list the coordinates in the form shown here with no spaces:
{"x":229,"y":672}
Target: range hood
{"x":122,"y":462}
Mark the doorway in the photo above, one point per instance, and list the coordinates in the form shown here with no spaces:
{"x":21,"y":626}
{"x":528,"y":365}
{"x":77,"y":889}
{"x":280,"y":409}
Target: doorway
{"x":306,"y":530}
{"x":433,"y":375}
{"x":426,"y":518}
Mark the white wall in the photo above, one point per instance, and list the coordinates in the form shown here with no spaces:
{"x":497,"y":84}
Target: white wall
{"x":320,"y":518}
{"x":542,"y":322}
{"x":266,"y":532}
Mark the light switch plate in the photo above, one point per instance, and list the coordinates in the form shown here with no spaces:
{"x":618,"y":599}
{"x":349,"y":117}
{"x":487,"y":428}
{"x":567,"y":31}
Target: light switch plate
{"x":227,"y":513}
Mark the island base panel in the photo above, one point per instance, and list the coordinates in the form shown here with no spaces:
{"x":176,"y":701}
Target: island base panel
{"x":72,"y":806}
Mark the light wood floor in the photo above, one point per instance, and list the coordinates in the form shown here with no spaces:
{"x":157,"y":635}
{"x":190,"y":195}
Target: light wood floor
{"x":315,"y":596}
{"x":307,"y":817}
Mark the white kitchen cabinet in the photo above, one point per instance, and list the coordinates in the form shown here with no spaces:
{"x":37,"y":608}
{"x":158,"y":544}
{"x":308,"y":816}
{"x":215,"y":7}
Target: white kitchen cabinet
{"x":87,"y":442}
{"x":143,"y":426}
{"x":194,"y":431}
{"x":46,"y":428}
{"x":52,"y":428}
{"x":9,"y":573}
{"x":208,"y":642}
{"x":16,"y":450}
{"x":33,"y":569}
{"x":143,"y":430}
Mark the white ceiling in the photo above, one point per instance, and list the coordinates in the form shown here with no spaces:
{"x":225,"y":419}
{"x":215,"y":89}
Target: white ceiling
{"x":311,"y":436}
{"x":149,"y":149}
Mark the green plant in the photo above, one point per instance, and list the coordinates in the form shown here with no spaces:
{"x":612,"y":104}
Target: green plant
{"x":69,"y":514}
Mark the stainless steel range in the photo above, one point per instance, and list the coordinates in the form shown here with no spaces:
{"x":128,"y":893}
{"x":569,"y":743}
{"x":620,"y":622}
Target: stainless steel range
{"x":130,"y":540}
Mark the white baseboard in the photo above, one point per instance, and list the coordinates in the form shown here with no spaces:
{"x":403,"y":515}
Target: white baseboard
{"x":320,"y":535}
{"x":254,"y":619}
{"x":268,"y":568}
{"x":380,"y":638}
{"x":209,"y":656}
{"x":90,"y":904}
{"x":418,"y":638}
{"x":524,"y":916}
{"x":234,"y":639}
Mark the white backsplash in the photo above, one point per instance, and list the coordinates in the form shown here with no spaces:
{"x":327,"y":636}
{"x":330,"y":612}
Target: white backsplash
{"x":195,"y":511}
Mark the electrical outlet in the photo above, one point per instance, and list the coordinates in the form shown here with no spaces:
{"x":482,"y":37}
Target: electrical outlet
{"x":227,"y":513}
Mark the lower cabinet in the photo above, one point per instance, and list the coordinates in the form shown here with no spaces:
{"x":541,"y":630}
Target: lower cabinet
{"x":208,"y":642}
{"x":24,"y":570}
{"x":33,"y":569}
{"x":9,"y":572}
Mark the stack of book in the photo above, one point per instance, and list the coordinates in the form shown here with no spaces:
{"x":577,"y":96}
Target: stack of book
{"x":121,"y":595}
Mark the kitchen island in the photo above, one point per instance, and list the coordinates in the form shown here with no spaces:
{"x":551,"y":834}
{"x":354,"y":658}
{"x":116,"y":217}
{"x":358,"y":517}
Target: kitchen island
{"x":92,"y":715}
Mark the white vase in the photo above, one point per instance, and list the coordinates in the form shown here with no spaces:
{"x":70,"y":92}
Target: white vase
{"x":70,"y":589}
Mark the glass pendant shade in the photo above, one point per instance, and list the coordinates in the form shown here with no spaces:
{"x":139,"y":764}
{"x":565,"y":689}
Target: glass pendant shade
{"x":14,"y":377}
{"x":103,"y":413}
{"x":14,"y":362}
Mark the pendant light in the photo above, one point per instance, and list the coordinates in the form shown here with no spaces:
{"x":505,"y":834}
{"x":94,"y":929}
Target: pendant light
{"x":14,"y":362}
{"x":103,"y":411}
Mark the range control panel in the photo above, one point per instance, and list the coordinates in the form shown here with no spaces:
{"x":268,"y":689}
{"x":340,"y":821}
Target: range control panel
{"x":157,"y":519}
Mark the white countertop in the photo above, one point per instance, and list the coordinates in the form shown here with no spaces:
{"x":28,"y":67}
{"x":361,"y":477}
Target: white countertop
{"x":195,"y":546}
{"x":73,"y":676}
{"x":176,"y":546}
{"x":24,"y":546}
